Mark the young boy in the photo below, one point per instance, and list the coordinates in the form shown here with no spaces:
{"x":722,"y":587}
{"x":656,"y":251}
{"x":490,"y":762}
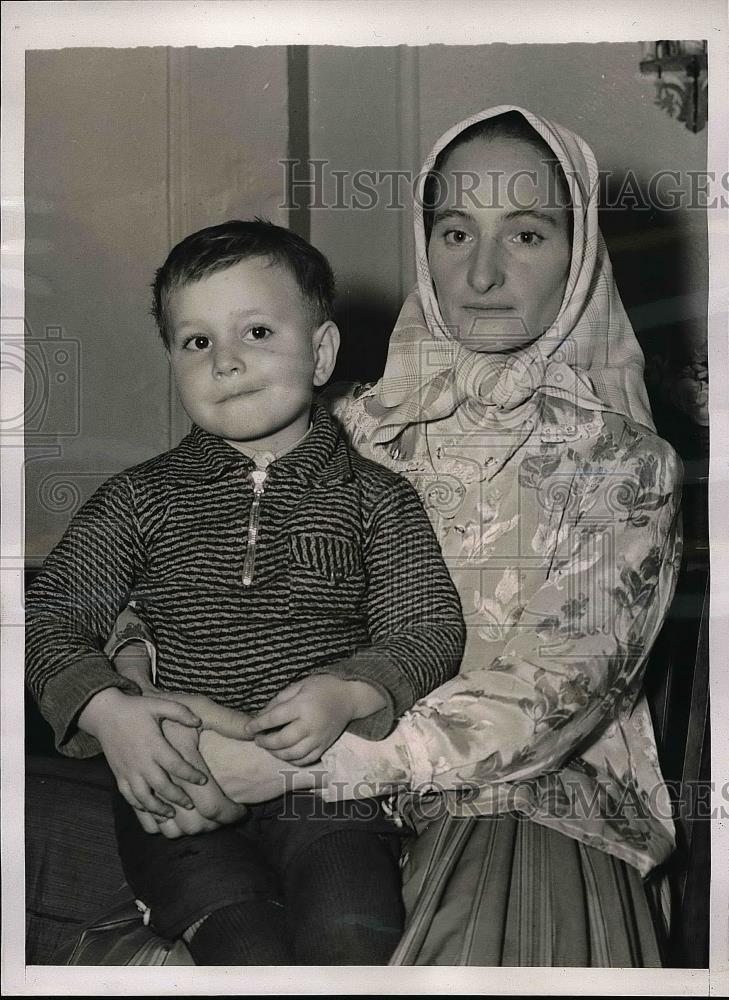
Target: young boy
{"x":265,"y":558}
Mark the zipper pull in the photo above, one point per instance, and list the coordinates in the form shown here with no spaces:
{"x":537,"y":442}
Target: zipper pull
{"x":258,"y":477}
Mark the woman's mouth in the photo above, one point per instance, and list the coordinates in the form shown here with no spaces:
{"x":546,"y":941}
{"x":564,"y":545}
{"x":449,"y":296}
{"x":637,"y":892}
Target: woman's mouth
{"x":488,"y":308}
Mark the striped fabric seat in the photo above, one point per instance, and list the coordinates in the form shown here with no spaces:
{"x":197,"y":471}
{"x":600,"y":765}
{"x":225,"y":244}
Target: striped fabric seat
{"x":501,"y":892}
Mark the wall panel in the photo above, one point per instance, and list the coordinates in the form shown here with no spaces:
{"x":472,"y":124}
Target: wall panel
{"x":126,"y":151}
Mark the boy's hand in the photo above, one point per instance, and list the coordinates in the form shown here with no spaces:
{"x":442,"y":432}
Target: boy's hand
{"x":312,"y":714}
{"x":145,"y":765}
{"x":212,"y":808}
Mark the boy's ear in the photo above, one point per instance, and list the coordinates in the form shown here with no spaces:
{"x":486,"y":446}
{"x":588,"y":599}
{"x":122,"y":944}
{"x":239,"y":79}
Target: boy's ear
{"x":325,"y":342}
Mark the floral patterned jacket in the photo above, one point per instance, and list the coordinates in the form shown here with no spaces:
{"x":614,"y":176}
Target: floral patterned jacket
{"x":565,"y":553}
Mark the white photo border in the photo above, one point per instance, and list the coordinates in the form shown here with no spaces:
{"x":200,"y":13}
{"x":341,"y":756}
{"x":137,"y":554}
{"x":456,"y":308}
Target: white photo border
{"x":52,"y":25}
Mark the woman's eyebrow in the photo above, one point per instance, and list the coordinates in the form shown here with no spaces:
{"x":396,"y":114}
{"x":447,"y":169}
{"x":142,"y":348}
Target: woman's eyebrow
{"x":532,"y":213}
{"x":449,"y":213}
{"x":517,"y":213}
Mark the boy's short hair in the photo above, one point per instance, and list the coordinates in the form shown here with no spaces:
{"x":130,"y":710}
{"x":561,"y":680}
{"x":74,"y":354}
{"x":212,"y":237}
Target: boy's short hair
{"x":217,"y":248}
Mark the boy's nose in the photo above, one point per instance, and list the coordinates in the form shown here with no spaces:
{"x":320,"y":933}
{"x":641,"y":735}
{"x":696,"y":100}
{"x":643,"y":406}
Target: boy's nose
{"x":225,"y":364}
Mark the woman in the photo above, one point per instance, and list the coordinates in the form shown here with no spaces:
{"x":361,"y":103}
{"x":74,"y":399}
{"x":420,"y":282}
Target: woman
{"x":513,"y":399}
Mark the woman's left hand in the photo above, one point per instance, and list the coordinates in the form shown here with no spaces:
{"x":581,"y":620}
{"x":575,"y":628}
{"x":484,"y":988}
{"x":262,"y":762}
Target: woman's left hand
{"x":249,"y":773}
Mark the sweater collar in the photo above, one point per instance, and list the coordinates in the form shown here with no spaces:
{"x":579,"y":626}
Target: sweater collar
{"x":321,"y":457}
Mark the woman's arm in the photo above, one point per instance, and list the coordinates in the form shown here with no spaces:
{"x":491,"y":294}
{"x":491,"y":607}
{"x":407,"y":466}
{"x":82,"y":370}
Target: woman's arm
{"x":576,"y":656}
{"x":248,"y":773}
{"x":574,"y":660}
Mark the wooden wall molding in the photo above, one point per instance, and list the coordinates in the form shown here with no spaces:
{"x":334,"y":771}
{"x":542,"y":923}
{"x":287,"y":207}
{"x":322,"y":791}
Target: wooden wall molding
{"x":179,"y":191}
{"x":407,"y":111}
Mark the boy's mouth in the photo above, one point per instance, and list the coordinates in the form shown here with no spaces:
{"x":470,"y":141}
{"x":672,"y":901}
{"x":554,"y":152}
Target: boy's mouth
{"x":238,"y":394}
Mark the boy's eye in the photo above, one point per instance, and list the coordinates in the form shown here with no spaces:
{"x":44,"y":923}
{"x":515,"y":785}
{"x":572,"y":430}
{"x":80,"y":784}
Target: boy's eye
{"x":257,"y":333}
{"x":528,"y":238}
{"x":198,"y":343}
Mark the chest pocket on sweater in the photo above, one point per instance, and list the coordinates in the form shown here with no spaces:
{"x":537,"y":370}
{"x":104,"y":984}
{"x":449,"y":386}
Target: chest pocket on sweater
{"x":326,"y":573}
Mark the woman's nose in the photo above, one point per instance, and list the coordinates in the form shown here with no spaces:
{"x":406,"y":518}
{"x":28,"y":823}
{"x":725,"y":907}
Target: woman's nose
{"x":485,"y":268}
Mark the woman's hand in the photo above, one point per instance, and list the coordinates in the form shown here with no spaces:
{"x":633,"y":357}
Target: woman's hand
{"x":132,"y":661}
{"x":226,"y":721}
{"x":248,"y":773}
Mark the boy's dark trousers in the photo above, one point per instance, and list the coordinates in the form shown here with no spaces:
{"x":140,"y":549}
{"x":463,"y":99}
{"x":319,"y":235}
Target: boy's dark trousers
{"x":298,"y":881}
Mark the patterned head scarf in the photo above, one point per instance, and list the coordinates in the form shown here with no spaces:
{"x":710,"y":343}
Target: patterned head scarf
{"x":589,"y":355}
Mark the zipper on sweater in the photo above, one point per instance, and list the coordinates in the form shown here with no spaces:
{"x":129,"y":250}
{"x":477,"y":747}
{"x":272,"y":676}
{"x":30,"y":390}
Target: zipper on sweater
{"x":258,"y":477}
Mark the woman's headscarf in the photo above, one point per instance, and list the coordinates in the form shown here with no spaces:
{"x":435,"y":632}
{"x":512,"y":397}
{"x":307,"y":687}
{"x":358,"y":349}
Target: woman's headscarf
{"x":589,"y":356}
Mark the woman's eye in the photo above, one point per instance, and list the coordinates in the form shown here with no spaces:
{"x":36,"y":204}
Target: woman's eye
{"x":257,"y":333}
{"x":528,"y":238}
{"x":199,"y":343}
{"x":456,"y":237}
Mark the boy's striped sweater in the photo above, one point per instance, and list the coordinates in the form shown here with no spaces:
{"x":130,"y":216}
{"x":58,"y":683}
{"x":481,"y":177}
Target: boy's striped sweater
{"x":348,"y":580}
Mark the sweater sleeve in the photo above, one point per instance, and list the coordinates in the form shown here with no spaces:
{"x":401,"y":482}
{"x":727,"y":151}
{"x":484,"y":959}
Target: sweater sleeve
{"x":71,"y":608}
{"x":575,"y":661}
{"x":413,"y":610}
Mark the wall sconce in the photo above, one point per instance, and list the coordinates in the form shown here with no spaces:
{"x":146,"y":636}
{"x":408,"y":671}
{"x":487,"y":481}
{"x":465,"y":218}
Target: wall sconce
{"x":682,"y":84}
